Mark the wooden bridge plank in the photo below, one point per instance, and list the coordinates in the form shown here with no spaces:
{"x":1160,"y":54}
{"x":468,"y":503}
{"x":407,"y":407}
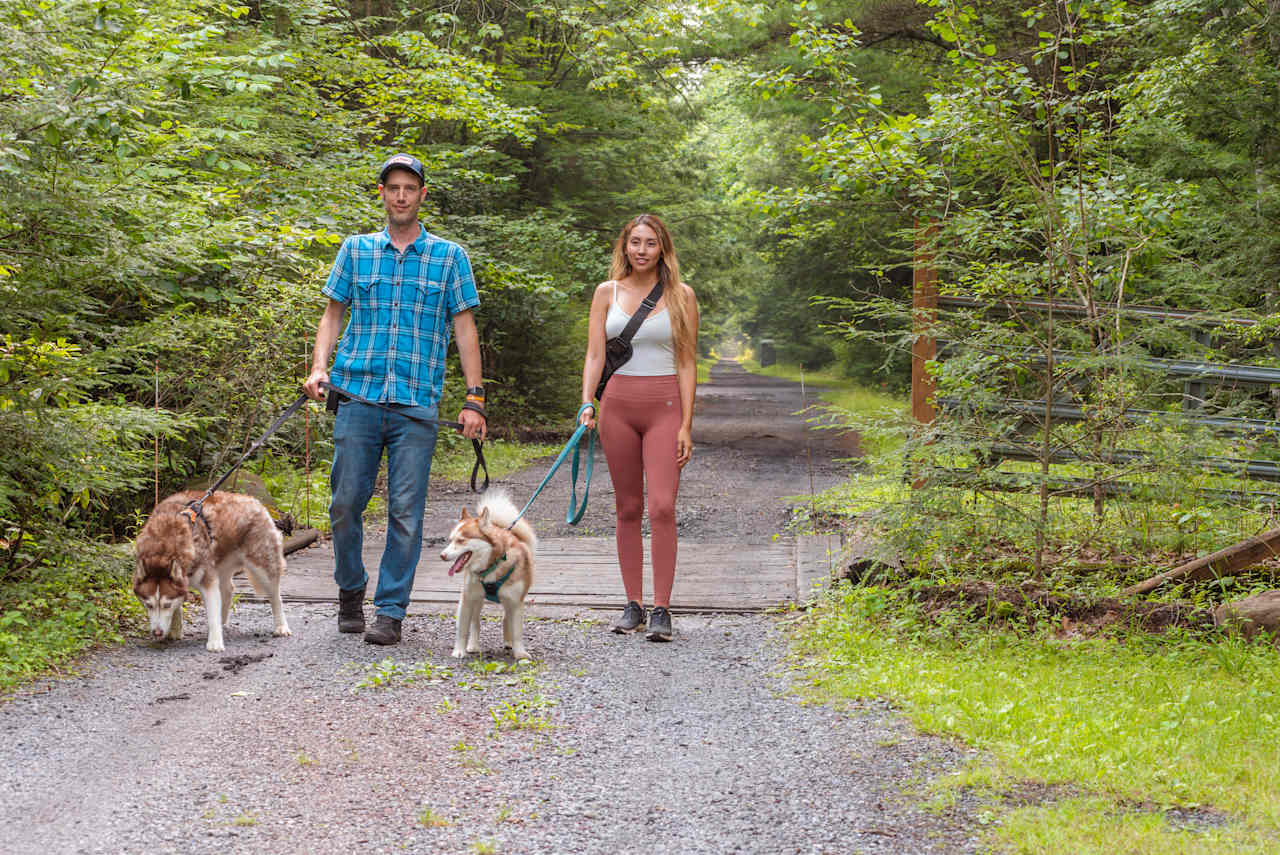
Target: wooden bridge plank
{"x":583,"y":571}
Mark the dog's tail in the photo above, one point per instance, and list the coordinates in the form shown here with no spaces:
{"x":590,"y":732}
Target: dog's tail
{"x":502,"y":511}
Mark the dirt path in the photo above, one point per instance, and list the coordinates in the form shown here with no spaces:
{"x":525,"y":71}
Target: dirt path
{"x":752,"y":462}
{"x":321,"y":743}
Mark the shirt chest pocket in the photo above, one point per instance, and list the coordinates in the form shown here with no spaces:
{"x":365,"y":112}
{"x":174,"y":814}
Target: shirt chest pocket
{"x":425,"y":298}
{"x":411,"y":303}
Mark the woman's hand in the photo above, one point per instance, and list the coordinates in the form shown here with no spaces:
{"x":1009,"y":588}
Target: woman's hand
{"x":588,"y":416}
{"x":684,"y":446}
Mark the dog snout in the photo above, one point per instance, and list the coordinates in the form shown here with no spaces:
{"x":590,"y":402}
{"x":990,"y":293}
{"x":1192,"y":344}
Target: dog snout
{"x":157,"y":633}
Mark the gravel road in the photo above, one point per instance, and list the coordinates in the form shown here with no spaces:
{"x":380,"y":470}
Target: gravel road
{"x":321,"y":743}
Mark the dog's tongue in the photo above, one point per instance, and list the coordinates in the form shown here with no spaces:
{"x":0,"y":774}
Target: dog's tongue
{"x":457,"y":565}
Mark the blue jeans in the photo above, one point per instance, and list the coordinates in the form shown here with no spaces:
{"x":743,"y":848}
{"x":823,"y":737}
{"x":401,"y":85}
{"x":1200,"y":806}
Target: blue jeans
{"x":360,"y":433}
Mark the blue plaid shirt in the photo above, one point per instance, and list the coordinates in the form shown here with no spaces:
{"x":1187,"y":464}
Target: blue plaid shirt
{"x":402,"y":307}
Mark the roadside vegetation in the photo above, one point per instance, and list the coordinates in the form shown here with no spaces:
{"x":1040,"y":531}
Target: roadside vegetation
{"x":1093,"y":734}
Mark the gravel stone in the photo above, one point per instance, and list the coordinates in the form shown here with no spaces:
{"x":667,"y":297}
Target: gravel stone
{"x":615,"y":743}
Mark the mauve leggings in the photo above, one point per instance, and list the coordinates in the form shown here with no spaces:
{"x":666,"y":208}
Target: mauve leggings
{"x":639,"y":420}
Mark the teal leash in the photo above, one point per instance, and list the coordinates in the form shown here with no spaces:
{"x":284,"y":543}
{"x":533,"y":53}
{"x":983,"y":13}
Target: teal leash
{"x":574,"y":515}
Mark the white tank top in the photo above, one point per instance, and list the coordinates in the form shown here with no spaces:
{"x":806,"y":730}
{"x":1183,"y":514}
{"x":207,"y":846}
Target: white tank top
{"x":653,"y":353}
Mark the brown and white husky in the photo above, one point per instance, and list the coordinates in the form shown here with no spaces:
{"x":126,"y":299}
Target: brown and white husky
{"x":485,"y":550}
{"x":181,"y":548}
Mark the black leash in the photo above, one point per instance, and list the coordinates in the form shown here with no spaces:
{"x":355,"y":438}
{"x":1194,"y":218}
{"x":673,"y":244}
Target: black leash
{"x":196,"y":508}
{"x":198,"y":505}
{"x":336,"y":395}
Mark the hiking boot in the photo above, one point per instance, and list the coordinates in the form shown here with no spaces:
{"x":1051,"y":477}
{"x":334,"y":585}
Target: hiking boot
{"x":385,"y":630}
{"x":351,"y":610}
{"x":633,"y":618}
{"x":660,"y":624}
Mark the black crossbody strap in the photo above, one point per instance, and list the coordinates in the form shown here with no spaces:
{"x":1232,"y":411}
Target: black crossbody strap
{"x":646,"y":306}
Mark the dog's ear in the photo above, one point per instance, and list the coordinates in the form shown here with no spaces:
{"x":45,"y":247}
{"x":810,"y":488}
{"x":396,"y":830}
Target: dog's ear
{"x":139,"y":572}
{"x":484,"y":518}
{"x":175,"y":572}
{"x":465,"y":515}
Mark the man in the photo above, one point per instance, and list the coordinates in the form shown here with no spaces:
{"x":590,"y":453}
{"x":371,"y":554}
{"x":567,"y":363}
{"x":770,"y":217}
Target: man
{"x":404,"y":287}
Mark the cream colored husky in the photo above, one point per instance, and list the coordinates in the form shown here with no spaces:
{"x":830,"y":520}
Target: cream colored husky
{"x":491,"y":555}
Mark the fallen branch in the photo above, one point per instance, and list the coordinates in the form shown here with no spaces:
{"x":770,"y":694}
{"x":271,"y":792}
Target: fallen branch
{"x":1224,"y":562}
{"x":305,"y":537}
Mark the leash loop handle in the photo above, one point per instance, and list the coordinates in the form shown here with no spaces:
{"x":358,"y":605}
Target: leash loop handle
{"x":476,"y":445}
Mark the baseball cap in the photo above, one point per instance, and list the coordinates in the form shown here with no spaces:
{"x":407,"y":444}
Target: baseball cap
{"x":401,"y":161}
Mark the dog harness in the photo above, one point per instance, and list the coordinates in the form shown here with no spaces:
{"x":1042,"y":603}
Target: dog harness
{"x":491,"y":588}
{"x":195,"y":511}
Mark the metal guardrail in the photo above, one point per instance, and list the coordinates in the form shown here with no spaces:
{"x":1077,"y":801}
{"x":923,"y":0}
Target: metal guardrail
{"x":1256,"y":469}
{"x":1196,"y":373}
{"x":1264,"y":428}
{"x":962,"y":301}
{"x":1260,"y":374}
{"x":1011,"y":482}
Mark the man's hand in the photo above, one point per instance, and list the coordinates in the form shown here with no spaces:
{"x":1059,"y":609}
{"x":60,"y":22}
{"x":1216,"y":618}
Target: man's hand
{"x":474,"y":425}
{"x":312,"y":385}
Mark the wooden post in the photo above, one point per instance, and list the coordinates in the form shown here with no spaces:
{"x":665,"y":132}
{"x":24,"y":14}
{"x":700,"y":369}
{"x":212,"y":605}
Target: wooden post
{"x":924,"y":346}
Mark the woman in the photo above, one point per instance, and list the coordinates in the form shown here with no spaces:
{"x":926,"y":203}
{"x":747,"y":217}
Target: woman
{"x":646,"y":411}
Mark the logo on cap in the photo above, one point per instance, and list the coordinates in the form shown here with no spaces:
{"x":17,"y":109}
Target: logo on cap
{"x":403,"y":161}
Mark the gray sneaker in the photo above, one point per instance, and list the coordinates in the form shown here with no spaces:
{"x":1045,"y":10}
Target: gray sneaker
{"x":633,"y":618}
{"x":660,"y":624}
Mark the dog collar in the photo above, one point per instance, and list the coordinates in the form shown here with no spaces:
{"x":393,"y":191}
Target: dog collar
{"x":491,"y":588}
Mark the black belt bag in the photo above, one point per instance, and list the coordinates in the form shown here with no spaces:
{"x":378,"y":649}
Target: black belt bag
{"x":617,"y":350}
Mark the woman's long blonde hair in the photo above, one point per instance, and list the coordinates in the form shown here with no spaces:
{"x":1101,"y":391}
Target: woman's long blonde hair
{"x":683,"y":336}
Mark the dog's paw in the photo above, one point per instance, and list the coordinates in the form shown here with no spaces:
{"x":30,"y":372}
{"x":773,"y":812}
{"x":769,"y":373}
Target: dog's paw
{"x":458,"y":653}
{"x":282,"y":630}
{"x":215,"y":647}
{"x":521,"y":655}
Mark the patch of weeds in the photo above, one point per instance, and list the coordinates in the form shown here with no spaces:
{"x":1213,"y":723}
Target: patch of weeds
{"x":492,"y":666}
{"x":1186,"y":721}
{"x":428,"y":818}
{"x":381,"y":675}
{"x":503,"y":814}
{"x":245,"y":819}
{"x":389,"y":673}
{"x":430,"y":672}
{"x":528,"y":712}
{"x":303,"y":759}
{"x":484,"y":847}
{"x":475,"y":763}
{"x":77,"y":598}
{"x":445,"y":705}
